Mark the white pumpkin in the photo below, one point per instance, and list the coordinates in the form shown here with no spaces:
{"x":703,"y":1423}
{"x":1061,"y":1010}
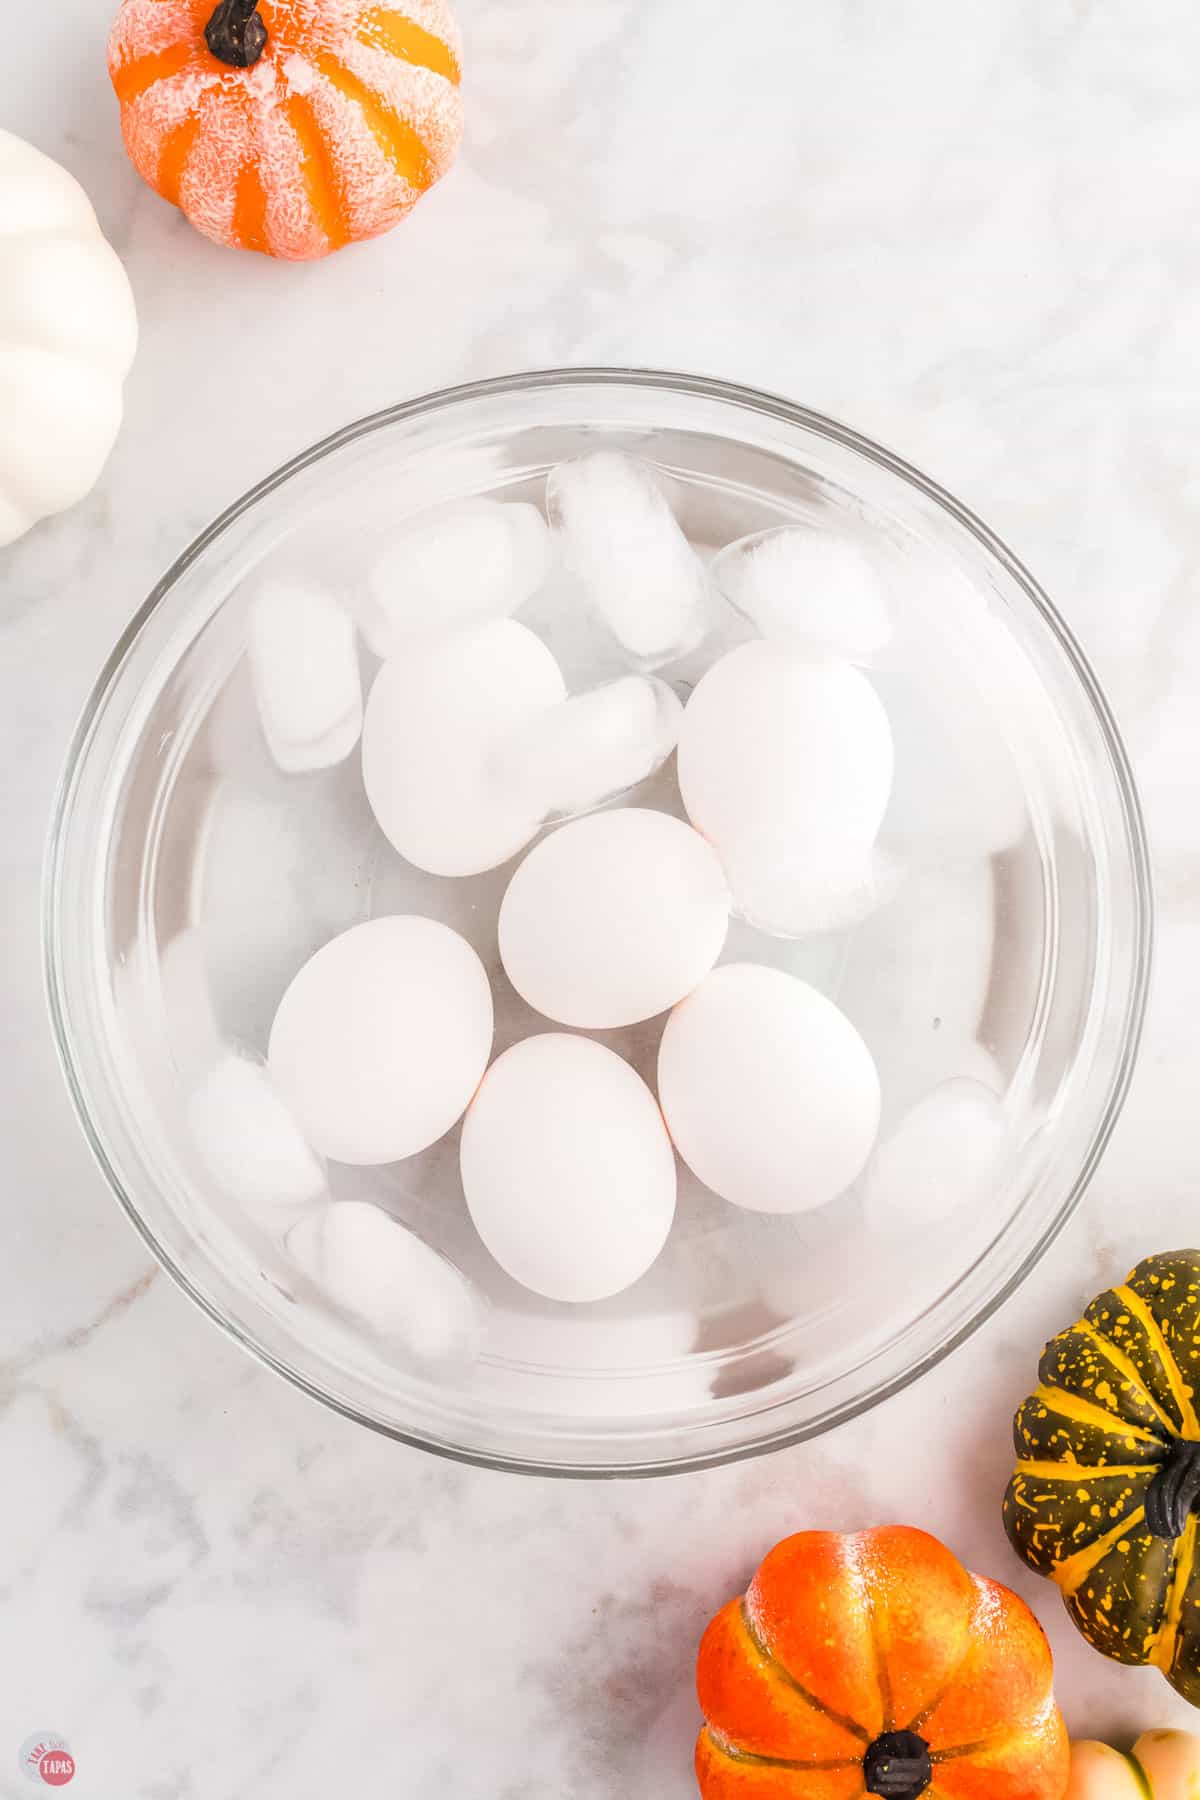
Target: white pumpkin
{"x":68,"y":331}
{"x":1163,"y":1765}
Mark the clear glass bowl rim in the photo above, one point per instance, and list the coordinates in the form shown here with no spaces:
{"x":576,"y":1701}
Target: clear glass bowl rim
{"x":788,"y":412}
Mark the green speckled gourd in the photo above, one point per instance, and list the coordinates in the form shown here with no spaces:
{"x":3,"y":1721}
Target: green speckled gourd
{"x":1107,"y":1479}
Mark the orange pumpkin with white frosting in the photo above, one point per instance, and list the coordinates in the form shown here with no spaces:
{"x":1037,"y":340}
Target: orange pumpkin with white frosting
{"x":291,"y":127}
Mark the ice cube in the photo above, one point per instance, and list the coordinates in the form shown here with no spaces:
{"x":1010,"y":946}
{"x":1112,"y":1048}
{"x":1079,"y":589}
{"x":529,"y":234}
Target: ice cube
{"x":808,"y":590}
{"x":304,"y":664}
{"x":534,"y":548}
{"x":933,"y":600}
{"x":187,"y":1000}
{"x":980,"y":746}
{"x":592,"y":747}
{"x":946,"y":1154}
{"x":957,"y":793}
{"x":921,"y":983}
{"x":369,"y":1265}
{"x":458,"y":566}
{"x":436,"y":715}
{"x":791,"y":886}
{"x":250,"y":1144}
{"x":600,"y":1367}
{"x":595,"y":1343}
{"x":622,"y":541}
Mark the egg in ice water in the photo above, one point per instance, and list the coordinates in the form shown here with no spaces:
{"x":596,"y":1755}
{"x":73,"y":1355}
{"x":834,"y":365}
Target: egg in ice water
{"x":382,"y":1038}
{"x":567,"y":1168}
{"x":773,"y":744}
{"x":613,"y":918}
{"x":437,"y":714}
{"x":768,"y":1091}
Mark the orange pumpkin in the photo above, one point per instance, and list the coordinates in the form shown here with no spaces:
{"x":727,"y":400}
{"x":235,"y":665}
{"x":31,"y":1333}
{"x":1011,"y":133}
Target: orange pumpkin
{"x":292,"y":127}
{"x":877,"y":1663}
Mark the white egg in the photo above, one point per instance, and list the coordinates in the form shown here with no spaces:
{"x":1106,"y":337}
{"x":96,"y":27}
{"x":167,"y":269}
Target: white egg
{"x":613,"y":918}
{"x":382,"y":1037}
{"x":435,"y":716}
{"x":770,"y":1094}
{"x":567,"y":1168}
{"x":778,"y":744}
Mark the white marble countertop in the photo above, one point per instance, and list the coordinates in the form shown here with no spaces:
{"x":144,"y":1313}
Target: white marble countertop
{"x":972,"y":234}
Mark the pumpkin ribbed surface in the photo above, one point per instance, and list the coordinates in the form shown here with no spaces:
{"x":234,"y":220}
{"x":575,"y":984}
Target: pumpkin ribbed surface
{"x":1108,"y":1470}
{"x":68,"y":332}
{"x":876,"y":1663}
{"x":350,"y":113}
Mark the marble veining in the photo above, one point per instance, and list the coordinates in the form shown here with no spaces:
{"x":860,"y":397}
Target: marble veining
{"x":970,"y":234}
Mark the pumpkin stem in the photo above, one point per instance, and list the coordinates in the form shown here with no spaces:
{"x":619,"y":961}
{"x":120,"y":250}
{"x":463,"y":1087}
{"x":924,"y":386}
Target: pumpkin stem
{"x":898,"y":1766}
{"x":1174,"y":1491}
{"x":236,"y":33}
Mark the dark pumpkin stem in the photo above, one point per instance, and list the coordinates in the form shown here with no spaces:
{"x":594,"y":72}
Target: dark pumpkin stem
{"x":1174,"y":1491}
{"x":898,"y":1766}
{"x":236,"y":34}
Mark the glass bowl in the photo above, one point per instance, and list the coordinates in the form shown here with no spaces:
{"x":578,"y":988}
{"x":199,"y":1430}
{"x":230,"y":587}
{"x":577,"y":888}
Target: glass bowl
{"x":188,"y":878}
